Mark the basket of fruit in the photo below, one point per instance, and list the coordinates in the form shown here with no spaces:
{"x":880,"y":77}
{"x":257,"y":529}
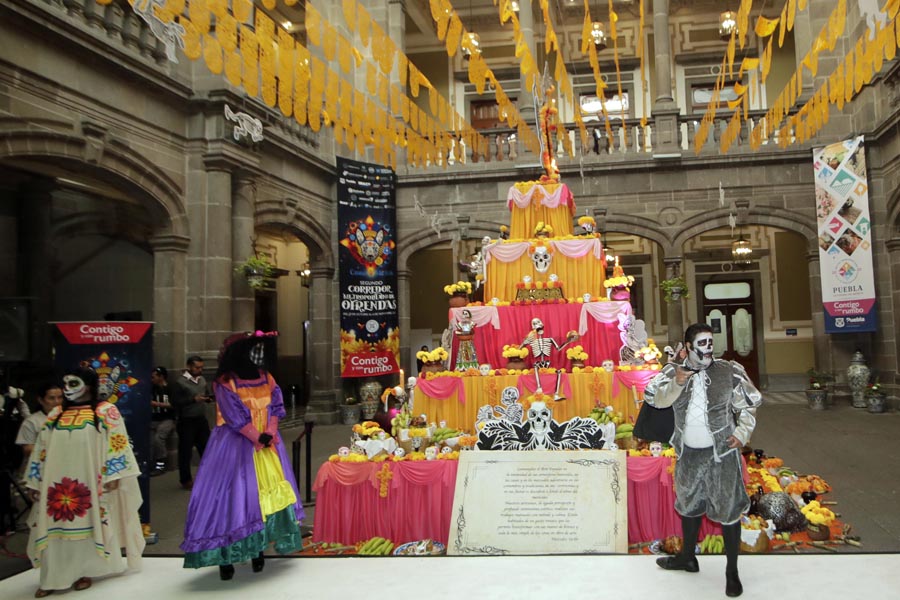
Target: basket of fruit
{"x":755,"y":534}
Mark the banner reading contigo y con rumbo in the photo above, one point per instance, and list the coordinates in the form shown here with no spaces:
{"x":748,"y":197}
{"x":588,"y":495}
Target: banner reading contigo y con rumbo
{"x":121,"y":353}
{"x":845,"y":237}
{"x":370,"y":335}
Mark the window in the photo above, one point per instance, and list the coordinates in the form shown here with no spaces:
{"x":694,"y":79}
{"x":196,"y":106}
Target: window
{"x":591,"y":109}
{"x":702,"y":94}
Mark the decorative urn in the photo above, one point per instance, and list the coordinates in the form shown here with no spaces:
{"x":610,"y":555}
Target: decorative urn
{"x":858,"y":379}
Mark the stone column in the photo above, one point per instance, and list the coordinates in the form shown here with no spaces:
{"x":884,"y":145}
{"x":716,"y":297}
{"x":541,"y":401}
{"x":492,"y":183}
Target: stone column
{"x":665,"y":111}
{"x":323,"y":352}
{"x":525,"y":100}
{"x":34,"y":240}
{"x":210,"y":262}
{"x":892,"y":339}
{"x":403,"y":310}
{"x":243,"y":201}
{"x":169,"y":298}
{"x":674,"y":313}
{"x":821,"y":341}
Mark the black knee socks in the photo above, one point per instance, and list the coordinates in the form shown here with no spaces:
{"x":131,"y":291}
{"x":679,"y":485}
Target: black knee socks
{"x":690,"y":528}
{"x":731,"y":534}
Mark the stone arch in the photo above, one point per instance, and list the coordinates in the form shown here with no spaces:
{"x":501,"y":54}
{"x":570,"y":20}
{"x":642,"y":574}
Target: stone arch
{"x":112,"y":161}
{"x":640,"y":228}
{"x":784,"y":219}
{"x":427,"y":237}
{"x":280,"y":215}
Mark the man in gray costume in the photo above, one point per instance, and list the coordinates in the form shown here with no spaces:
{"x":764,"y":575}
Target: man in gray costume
{"x":714,"y":403}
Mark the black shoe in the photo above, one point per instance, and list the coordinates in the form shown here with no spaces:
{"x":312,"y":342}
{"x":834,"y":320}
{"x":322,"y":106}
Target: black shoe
{"x":733,"y":587}
{"x":226,"y":572}
{"x":679,"y":563}
{"x":258,"y":563}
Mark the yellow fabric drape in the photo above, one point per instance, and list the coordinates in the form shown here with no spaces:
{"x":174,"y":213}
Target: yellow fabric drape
{"x":577,"y":275}
{"x":587,"y":390}
{"x":524,"y":220}
{"x":275,"y":493}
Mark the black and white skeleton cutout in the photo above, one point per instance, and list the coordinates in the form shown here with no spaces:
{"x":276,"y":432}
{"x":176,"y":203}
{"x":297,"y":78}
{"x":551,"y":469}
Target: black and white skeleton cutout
{"x":509,"y":408}
{"x":540,"y":432}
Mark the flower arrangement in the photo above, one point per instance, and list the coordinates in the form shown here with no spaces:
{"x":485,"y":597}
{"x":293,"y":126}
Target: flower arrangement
{"x":418,"y":432}
{"x":873,"y":389}
{"x":650,"y":353}
{"x":255,"y":269}
{"x":368,"y":429}
{"x":460,"y":287}
{"x":543,"y":229}
{"x":673,"y":284}
{"x":817,"y":514}
{"x":515,"y":351}
{"x":433,"y":356}
{"x":576,"y":353}
{"x":587,"y":220}
{"x":818,"y":379}
{"x":622,"y":280}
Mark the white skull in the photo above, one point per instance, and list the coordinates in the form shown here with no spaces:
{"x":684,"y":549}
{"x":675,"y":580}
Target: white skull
{"x":343,"y":451}
{"x":446,"y":450}
{"x":537,"y":324}
{"x":486,"y":240}
{"x":656,"y":448}
{"x":431,"y":453}
{"x":539,"y":416}
{"x":553,"y":277}
{"x":611,"y":446}
{"x":442,"y":424}
{"x":484,"y":369}
{"x":509,"y":395}
{"x":588,"y":227}
{"x":608,"y":365}
{"x":541,"y":259}
{"x":399,"y":452}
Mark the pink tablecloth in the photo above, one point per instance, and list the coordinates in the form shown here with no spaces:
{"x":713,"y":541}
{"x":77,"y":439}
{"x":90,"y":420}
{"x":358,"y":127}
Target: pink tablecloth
{"x":419,"y":501}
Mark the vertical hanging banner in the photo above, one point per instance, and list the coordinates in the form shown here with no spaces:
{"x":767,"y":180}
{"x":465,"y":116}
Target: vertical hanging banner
{"x":845,"y":237}
{"x":121,"y":353}
{"x":370,"y":336}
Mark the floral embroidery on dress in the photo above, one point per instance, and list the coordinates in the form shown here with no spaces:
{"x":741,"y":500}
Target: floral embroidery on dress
{"x":115,"y":464}
{"x":112,"y":413}
{"x":68,"y":499}
{"x":34,"y":470}
{"x":117,"y":442}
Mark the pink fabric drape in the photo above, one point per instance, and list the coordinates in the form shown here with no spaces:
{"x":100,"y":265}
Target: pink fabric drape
{"x":561,"y":195}
{"x":481,"y":315}
{"x":419,"y":504}
{"x":443,"y":387}
{"x":527,"y":385}
{"x":505,"y":252}
{"x":598,"y":328}
{"x":637,"y":379}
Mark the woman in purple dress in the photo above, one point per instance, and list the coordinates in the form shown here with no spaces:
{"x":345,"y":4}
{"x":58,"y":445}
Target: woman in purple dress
{"x":244,"y":495}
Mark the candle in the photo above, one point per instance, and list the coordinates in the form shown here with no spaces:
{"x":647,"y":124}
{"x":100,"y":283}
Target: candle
{"x":402,"y":383}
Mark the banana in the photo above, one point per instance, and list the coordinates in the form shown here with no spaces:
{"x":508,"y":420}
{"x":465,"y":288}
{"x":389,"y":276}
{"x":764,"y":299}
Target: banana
{"x":704,"y":545}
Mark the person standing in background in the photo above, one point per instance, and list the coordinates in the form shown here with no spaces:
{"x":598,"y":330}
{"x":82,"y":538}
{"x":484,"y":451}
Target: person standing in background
{"x":190,"y":395}
{"x":162,"y":425}
{"x":50,"y":395}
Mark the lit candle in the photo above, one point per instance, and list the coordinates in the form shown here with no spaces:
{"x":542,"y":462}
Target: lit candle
{"x":402,"y":382}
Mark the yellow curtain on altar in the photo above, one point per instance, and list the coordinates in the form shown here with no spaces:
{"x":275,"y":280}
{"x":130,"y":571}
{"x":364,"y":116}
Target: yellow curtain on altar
{"x":577,"y":275}
{"x":523,"y":220}
{"x":588,"y":389}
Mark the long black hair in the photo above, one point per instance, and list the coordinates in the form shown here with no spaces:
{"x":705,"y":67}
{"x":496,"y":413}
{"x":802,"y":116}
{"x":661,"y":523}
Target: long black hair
{"x":92,"y":382}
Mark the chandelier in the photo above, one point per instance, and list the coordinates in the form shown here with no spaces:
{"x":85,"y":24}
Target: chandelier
{"x":741,"y":251}
{"x":727,"y":24}
{"x":598,"y":35}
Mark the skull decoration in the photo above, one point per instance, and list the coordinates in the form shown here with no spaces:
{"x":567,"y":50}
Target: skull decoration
{"x":537,"y":324}
{"x":541,"y":259}
{"x":446,"y":450}
{"x":539,"y":416}
{"x":553,"y":277}
{"x":656,"y":448}
{"x":484,"y":369}
{"x":431,"y":453}
{"x":611,"y":446}
{"x":509,"y":395}
{"x":608,"y":365}
{"x":399,"y":452}
{"x":343,"y":451}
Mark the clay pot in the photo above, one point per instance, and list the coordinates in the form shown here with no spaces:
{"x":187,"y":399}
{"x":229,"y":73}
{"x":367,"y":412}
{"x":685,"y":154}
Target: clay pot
{"x":459,"y":300}
{"x":515,"y":363}
{"x":578,"y":363}
{"x":818,"y":533}
{"x":432,"y":367}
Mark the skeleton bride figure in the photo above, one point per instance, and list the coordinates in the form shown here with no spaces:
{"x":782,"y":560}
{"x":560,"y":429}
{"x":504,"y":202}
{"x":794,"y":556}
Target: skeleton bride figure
{"x":465,"y":333}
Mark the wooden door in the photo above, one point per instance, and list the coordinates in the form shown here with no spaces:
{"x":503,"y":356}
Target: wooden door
{"x":728,"y":307}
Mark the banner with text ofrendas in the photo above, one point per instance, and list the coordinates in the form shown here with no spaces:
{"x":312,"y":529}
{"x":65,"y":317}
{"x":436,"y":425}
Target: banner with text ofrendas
{"x":845,"y":237}
{"x":370,"y":335}
{"x":121,"y":353}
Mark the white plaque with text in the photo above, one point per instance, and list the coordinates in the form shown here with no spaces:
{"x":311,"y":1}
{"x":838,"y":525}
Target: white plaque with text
{"x":540,"y":502}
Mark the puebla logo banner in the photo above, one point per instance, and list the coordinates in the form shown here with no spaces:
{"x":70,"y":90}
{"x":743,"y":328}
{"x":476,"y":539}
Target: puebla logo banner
{"x":845,"y":237}
{"x":370,"y":335}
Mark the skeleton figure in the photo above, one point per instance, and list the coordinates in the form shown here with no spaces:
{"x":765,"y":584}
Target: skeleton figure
{"x":540,"y":432}
{"x":509,"y":408}
{"x":539,"y":416}
{"x":634,"y":336}
{"x":541,"y":347}
{"x":246,"y":125}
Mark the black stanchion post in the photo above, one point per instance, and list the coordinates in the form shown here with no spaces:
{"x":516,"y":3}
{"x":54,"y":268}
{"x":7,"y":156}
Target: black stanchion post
{"x":307,"y":431}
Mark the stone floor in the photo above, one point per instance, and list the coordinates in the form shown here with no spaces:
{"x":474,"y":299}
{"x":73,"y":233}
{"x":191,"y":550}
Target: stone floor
{"x":853,"y":450}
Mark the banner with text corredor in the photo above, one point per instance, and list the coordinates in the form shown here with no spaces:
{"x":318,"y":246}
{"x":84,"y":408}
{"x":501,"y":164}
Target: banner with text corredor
{"x":370,"y":335}
{"x":845,"y":237}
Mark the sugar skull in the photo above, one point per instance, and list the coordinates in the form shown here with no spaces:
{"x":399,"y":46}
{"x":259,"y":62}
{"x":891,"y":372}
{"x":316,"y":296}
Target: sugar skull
{"x":431,"y":453}
{"x":656,"y":448}
{"x":399,"y":452}
{"x":343,"y":451}
{"x":484,"y":369}
{"x":446,"y":450}
{"x":608,"y":365}
{"x":611,"y":446}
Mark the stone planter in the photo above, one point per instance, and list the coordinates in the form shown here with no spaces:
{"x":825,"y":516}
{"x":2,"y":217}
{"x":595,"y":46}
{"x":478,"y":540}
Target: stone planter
{"x":816,"y":399}
{"x":350,"y":414}
{"x":458,"y":300}
{"x":875,"y":403}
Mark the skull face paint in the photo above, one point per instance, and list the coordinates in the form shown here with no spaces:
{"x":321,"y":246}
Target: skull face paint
{"x":700,"y":355}
{"x":75,"y":389}
{"x":258,"y":355}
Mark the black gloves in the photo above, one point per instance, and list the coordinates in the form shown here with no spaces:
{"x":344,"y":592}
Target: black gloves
{"x":265,"y":439}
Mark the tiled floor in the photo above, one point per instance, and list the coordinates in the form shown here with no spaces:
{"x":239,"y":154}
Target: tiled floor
{"x":850,"y":448}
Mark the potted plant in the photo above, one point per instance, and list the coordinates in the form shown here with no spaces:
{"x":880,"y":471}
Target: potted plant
{"x":674,"y":288}
{"x":256,"y":269}
{"x":459,"y":293}
{"x":875,"y":397}
{"x":515,"y":356}
{"x":577,"y":355}
{"x":817,"y":392}
{"x":351,"y":411}
{"x":433,"y":360}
